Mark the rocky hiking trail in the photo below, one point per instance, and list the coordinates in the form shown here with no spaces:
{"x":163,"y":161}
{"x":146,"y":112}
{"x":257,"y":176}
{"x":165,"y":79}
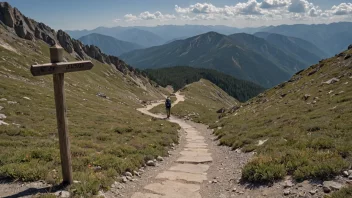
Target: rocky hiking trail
{"x":199,"y":168}
{"x":196,"y":168}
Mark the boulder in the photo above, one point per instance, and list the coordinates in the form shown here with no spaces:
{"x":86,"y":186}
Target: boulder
{"x":128,"y":174}
{"x":2,"y":116}
{"x":332,"y":81}
{"x":350,"y":47}
{"x":306,"y":96}
{"x":102,"y":95}
{"x":159,"y":158}
{"x":222,"y":110}
{"x":345,"y":173}
{"x":123,"y":179}
{"x":151,"y":163}
{"x":3,"y":123}
{"x":234,"y":109}
{"x":332,"y":185}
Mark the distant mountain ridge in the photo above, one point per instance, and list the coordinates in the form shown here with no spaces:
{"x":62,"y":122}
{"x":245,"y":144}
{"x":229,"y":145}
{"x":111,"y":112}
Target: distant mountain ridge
{"x":243,"y":56}
{"x":331,"y":38}
{"x":108,"y":44}
{"x":132,"y":35}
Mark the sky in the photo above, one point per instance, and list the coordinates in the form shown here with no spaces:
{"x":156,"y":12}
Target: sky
{"x":90,"y":14}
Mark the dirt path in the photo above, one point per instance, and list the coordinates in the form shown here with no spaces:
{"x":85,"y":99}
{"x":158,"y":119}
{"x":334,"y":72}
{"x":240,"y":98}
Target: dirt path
{"x":187,"y":172}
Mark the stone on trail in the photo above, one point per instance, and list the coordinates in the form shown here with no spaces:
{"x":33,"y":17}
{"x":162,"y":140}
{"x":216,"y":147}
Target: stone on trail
{"x":145,"y":195}
{"x":124,"y":180}
{"x":1,"y":108}
{"x":128,"y":174}
{"x":151,"y":163}
{"x":26,"y":98}
{"x":195,"y":153}
{"x":313,"y":192}
{"x":287,"y":192}
{"x":63,"y":194}
{"x":189,"y":177}
{"x":345,"y":173}
{"x":190,"y":168}
{"x":159,"y":158}
{"x":172,"y":189}
{"x":195,"y":159}
{"x":288,"y":184}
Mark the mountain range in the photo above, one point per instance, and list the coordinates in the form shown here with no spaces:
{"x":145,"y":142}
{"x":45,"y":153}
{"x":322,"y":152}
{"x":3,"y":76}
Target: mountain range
{"x":243,"y":56}
{"x":108,"y":44}
{"x":330,"y":38}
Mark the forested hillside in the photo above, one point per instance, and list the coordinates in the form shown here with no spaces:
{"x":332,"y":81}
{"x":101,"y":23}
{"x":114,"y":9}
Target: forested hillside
{"x":180,"y":76}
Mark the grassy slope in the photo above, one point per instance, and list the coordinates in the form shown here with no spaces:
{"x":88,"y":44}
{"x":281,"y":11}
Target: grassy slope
{"x":307,"y":139}
{"x":101,"y":132}
{"x":203,"y":99}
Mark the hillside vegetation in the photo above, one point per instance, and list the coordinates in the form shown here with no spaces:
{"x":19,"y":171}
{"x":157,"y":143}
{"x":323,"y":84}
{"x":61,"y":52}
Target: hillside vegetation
{"x":180,"y":76}
{"x":303,"y":125}
{"x":203,"y":99}
{"x":105,"y":139}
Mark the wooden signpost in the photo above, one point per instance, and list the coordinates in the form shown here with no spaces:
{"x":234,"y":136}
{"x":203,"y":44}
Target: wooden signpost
{"x":57,"y":67}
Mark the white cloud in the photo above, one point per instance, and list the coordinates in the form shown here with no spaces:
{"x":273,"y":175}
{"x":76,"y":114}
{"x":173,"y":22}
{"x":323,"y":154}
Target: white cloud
{"x":271,"y":4}
{"x":260,"y":12}
{"x":252,"y":7}
{"x":342,"y":9}
{"x":148,"y":16}
{"x":300,"y":6}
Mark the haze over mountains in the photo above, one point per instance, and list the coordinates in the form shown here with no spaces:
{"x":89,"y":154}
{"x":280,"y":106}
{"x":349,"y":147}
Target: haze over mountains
{"x":330,"y":38}
{"x":108,"y":44}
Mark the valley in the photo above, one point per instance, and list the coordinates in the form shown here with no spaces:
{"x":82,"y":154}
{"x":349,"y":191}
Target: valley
{"x":256,"y":112}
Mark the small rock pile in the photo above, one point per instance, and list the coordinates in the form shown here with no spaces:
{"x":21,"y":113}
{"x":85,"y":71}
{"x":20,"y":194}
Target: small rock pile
{"x":2,"y":116}
{"x":128,"y":176}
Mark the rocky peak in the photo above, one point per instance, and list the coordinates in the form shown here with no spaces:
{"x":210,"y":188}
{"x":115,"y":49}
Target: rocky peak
{"x":29,"y":29}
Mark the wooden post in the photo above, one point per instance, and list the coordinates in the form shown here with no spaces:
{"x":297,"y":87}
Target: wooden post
{"x":57,"y":67}
{"x":56,"y":55}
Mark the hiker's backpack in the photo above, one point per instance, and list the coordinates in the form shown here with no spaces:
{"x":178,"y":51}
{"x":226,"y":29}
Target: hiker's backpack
{"x":168,"y":103}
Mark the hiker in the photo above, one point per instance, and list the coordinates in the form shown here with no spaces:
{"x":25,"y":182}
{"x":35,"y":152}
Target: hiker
{"x":168,"y":107}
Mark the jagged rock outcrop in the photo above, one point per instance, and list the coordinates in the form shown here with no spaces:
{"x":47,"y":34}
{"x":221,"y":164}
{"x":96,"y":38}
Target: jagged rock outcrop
{"x":6,"y":14}
{"x":29,"y":29}
{"x":65,"y":41}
